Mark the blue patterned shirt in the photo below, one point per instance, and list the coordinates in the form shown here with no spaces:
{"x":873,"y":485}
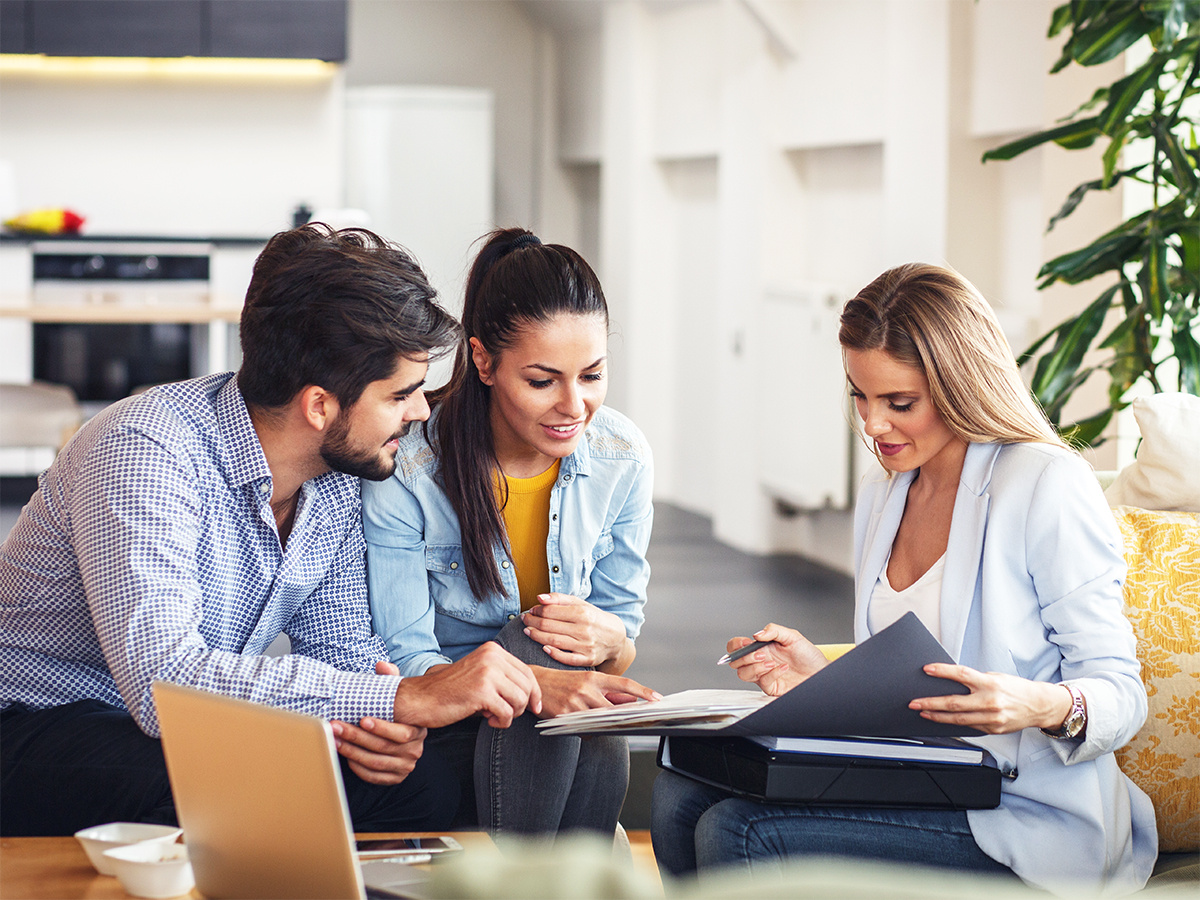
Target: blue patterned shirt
{"x":150,"y":551}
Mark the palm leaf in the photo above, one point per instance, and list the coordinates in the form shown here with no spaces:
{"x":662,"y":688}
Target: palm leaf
{"x":1056,"y":370}
{"x":1187,"y":353}
{"x":1084,"y":129}
{"x":1125,"y":94}
{"x":1085,"y":432}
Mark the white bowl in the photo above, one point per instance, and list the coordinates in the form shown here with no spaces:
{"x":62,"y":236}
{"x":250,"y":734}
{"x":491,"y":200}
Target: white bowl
{"x":98,"y":838}
{"x":153,"y":869}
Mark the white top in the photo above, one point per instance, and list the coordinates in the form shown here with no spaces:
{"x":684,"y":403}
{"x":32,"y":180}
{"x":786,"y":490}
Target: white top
{"x":922,"y":597}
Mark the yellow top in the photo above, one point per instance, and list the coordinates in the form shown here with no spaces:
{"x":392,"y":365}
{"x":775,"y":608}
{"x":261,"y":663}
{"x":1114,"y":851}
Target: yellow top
{"x":527,"y":520}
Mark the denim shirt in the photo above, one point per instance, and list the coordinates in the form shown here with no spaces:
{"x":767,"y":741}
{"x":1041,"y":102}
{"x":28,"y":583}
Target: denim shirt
{"x":600,"y":519}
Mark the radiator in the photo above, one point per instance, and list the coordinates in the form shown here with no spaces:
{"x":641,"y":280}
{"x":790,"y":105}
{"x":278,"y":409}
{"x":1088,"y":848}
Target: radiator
{"x":802,"y":422}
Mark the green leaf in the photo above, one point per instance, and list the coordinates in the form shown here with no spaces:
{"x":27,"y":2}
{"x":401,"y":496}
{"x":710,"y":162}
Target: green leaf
{"x":1059,"y":19}
{"x":1183,"y":167}
{"x":1085,"y":432}
{"x":1109,"y":252}
{"x":1177,"y":18}
{"x":1156,"y":263}
{"x":1099,"y":97}
{"x":1119,"y":335}
{"x":1187,"y":352}
{"x":1112,"y":155}
{"x":1076,"y":196}
{"x":1189,"y":245}
{"x":1110,"y":35}
{"x":1055,"y":408}
{"x":1084,"y":129}
{"x":1124,"y":95}
{"x":1056,"y":369}
{"x":1027,"y":353}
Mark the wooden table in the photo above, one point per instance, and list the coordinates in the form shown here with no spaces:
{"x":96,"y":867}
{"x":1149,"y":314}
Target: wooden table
{"x":56,"y":868}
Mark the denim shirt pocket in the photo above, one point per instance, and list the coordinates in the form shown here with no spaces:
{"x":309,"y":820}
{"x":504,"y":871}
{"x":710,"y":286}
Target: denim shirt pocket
{"x":603,"y":547}
{"x":448,"y":585}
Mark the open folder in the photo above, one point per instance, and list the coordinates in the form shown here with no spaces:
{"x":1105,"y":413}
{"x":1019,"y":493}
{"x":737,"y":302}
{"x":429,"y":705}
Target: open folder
{"x":864,"y":692}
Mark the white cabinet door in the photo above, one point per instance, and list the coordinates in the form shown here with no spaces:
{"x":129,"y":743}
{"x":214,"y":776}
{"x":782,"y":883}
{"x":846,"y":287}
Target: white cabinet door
{"x":420,"y":162}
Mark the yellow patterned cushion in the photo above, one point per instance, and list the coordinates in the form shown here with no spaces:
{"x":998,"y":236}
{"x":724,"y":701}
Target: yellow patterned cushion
{"x":1162,"y":601}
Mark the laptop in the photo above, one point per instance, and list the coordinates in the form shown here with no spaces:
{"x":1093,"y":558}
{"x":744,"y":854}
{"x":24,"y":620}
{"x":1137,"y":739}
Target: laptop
{"x":259,"y":796}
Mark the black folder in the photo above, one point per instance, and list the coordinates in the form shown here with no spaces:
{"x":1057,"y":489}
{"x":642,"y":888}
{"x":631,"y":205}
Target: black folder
{"x":748,"y":769}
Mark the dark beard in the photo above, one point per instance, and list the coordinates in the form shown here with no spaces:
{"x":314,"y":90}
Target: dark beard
{"x":341,"y":457}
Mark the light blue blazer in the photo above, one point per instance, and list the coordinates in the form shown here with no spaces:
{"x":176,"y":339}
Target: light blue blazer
{"x":1032,"y":587}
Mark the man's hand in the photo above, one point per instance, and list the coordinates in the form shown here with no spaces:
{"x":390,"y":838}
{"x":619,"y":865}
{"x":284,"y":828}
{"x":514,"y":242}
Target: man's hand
{"x":379,"y":752}
{"x":488,"y":680}
{"x":568,"y":690}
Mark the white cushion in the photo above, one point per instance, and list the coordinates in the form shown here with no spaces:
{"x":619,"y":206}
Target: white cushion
{"x":1166,"y":473}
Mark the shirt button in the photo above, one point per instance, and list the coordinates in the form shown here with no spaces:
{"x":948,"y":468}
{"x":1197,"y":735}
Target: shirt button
{"x":511,"y":617}
{"x":554,"y":518}
{"x":566,"y":479}
{"x":555,"y":569}
{"x":453,"y":565}
{"x":504,"y":565}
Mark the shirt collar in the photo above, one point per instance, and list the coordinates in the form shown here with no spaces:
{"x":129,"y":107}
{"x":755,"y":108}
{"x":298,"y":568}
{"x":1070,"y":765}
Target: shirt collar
{"x":580,"y":460}
{"x":246,"y":462}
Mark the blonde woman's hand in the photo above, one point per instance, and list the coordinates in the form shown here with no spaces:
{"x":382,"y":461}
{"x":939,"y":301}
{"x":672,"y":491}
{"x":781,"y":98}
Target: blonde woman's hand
{"x":787,"y":660}
{"x":997,"y":704}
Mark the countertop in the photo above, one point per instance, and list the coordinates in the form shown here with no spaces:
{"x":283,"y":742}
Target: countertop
{"x":10,"y":237}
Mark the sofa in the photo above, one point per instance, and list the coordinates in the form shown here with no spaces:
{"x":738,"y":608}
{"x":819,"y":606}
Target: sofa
{"x":1156,"y":503}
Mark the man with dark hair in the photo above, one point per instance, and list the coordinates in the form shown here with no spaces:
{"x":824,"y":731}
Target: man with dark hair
{"x":182,"y":530}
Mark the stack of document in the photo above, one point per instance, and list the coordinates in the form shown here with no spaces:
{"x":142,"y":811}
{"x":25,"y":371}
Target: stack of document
{"x":933,"y":750}
{"x":702,"y":710}
{"x":867,"y":691}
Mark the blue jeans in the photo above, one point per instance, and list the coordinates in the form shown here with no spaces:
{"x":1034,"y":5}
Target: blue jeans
{"x":528,"y":783}
{"x":697,"y":827}
{"x":86,"y":763}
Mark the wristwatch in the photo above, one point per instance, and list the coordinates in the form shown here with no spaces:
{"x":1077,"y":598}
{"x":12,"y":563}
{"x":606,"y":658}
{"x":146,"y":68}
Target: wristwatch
{"x":1076,"y":719}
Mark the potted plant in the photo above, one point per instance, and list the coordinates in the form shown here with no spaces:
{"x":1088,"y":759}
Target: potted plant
{"x":1152,"y":260}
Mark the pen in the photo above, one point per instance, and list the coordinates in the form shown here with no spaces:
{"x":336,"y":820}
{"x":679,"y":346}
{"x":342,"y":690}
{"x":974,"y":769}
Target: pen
{"x":742,"y":651}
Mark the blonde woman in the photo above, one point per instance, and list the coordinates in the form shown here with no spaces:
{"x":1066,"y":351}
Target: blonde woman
{"x":997,"y":536}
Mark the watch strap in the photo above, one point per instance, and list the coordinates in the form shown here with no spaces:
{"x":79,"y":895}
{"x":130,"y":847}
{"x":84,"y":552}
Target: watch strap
{"x":1076,"y":718}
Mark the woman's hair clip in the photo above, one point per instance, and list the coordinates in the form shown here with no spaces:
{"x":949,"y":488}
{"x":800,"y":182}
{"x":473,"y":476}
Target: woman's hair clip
{"x":523,"y":240}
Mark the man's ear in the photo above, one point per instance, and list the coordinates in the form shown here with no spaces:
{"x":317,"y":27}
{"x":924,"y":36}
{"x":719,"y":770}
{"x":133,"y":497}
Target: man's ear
{"x":318,"y":407}
{"x":482,"y":360}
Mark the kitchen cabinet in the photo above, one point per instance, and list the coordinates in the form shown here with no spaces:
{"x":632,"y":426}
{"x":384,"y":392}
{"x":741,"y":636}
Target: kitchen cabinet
{"x":115,"y":28}
{"x":274,"y":29}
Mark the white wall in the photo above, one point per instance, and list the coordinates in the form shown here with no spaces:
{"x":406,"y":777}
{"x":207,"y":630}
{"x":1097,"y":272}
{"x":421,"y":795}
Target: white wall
{"x":706,"y":155}
{"x":756,"y":154}
{"x":488,"y":44}
{"x":179,"y":155}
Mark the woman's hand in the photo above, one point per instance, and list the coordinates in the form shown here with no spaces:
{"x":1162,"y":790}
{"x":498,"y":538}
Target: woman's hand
{"x":782,"y":664}
{"x":575,"y":632}
{"x":569,"y":690}
{"x":997,"y":704}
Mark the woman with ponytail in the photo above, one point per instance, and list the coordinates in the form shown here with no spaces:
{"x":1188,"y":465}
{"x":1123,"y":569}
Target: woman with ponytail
{"x":520,"y":513}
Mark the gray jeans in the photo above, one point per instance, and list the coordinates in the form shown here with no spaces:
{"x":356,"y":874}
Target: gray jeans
{"x":529,"y":784}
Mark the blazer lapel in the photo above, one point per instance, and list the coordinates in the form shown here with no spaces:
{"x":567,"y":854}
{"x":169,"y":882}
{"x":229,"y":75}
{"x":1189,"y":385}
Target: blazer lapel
{"x":964,"y":550}
{"x":878,"y":543}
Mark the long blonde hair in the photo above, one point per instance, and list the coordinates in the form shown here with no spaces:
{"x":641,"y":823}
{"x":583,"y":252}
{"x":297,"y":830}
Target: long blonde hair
{"x":932,"y":318}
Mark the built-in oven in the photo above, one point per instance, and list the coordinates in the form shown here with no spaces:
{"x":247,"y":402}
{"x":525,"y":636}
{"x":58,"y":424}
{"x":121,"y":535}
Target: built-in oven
{"x":123,"y":315}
